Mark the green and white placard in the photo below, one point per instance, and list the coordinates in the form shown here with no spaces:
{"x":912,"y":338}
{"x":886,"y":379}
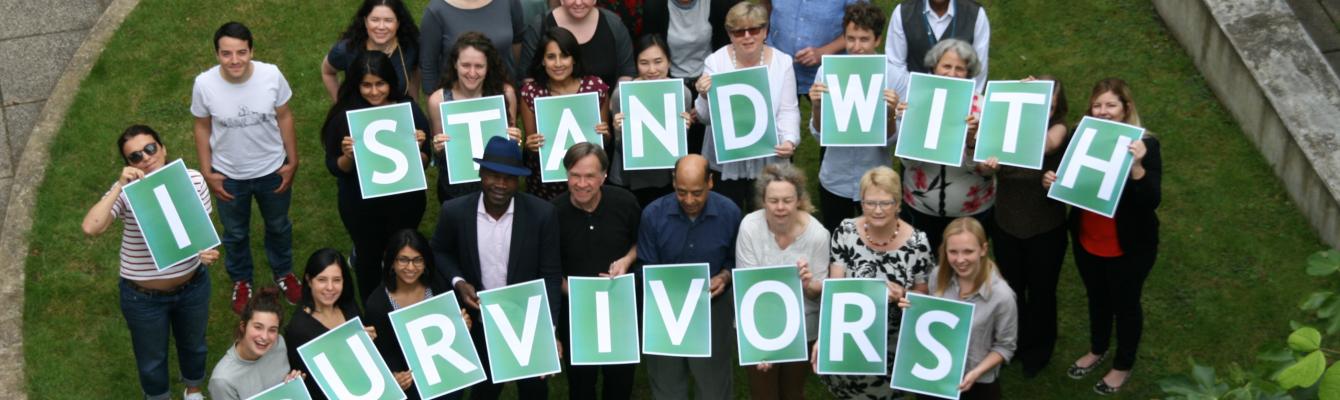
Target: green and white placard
{"x":386,"y":154}
{"x":853,"y":327}
{"x":174,"y":221}
{"x":602,"y":320}
{"x":932,"y":347}
{"x":519,"y":331}
{"x":740,"y":104}
{"x":346,"y":364}
{"x":1095,"y":166}
{"x":653,"y":131}
{"x":291,"y":390}
{"x":854,"y":111}
{"x":565,"y":121}
{"x":769,"y":315}
{"x":437,"y":346}
{"x":676,"y":314}
{"x":470,"y":123}
{"x":934,"y":127}
{"x":1014,"y":123}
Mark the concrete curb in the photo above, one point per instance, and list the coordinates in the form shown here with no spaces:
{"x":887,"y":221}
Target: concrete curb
{"x":29,"y":173}
{"x":1273,"y":79}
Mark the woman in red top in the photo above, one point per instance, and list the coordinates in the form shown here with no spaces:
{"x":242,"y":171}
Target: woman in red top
{"x":1115,"y":255}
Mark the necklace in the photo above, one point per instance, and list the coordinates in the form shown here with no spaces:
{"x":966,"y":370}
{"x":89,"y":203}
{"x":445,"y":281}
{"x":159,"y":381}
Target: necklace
{"x":897,"y":226}
{"x":737,"y":63}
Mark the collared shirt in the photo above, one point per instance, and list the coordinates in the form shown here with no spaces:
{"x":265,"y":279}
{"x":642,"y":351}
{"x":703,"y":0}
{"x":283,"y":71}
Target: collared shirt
{"x":590,"y":241}
{"x":995,"y":321}
{"x":797,"y":24}
{"x":895,"y":45}
{"x":495,"y":245}
{"x":668,"y":236}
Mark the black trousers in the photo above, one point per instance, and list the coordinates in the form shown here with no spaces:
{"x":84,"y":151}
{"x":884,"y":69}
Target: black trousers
{"x":1114,"y":286}
{"x":369,"y":223}
{"x":836,"y":208}
{"x":617,"y":383}
{"x":1032,"y":267}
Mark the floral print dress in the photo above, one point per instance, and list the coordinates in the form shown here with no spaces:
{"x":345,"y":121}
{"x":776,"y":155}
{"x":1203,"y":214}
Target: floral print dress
{"x":908,"y":265}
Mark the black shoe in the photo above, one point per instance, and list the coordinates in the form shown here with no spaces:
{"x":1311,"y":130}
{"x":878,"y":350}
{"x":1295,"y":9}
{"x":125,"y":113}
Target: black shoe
{"x":1077,"y":372}
{"x":1103,"y":389}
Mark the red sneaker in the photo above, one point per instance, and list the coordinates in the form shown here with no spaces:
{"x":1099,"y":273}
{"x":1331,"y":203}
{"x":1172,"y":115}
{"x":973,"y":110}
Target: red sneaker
{"x":241,"y":294}
{"x":291,"y":287}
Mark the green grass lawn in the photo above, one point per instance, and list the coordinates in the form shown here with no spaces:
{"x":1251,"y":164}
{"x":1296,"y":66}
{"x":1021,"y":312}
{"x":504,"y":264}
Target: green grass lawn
{"x":1225,"y":284}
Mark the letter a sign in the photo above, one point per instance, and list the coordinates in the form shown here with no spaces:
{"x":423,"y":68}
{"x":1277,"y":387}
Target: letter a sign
{"x":854,"y":111}
{"x":676,"y":318}
{"x":386,"y":154}
{"x":174,"y":221}
{"x":854,"y":327}
{"x":1014,"y":123}
{"x":932,"y":346}
{"x":602,"y":320}
{"x":1095,"y":166}
{"x":346,"y":365}
{"x":653,"y":133}
{"x":470,"y":123}
{"x":934,"y":127}
{"x":437,"y":346}
{"x":565,"y":121}
{"x":519,"y":331}
{"x":769,"y":315}
{"x":740,"y":103}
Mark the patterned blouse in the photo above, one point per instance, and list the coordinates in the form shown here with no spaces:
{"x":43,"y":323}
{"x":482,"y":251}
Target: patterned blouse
{"x":531,"y":91}
{"x":945,"y":191}
{"x":908,"y":265}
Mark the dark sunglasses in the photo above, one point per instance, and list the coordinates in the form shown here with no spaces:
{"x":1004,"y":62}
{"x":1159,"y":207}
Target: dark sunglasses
{"x":755,"y":31}
{"x":149,"y":150}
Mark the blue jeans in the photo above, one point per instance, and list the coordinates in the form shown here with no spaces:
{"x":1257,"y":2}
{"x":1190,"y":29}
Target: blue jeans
{"x":151,"y":318}
{"x":236,"y":218}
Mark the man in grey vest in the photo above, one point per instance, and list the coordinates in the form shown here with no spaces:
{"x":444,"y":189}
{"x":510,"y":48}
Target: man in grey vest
{"x":916,"y":26}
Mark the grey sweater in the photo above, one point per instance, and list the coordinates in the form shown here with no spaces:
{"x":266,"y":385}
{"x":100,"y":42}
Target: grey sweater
{"x":235,"y":378}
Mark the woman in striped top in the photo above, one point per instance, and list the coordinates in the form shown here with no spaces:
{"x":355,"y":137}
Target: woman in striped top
{"x":155,"y":302}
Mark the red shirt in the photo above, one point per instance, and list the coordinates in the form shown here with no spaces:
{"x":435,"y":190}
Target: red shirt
{"x":1098,"y":235}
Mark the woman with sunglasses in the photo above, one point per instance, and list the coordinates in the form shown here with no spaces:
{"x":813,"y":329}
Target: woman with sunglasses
{"x":748,"y":27}
{"x":370,"y":82}
{"x":878,"y":244}
{"x":173,"y":301}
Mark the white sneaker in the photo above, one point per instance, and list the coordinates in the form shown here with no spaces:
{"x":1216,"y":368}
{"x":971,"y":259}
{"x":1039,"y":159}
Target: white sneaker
{"x":193,"y":396}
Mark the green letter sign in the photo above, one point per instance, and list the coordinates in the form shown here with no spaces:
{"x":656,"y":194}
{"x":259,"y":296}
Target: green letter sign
{"x":934,"y":127}
{"x":470,"y":123}
{"x":770,"y":315}
{"x":346,"y":365}
{"x":565,"y":121}
{"x":602,"y":320}
{"x":854,"y":112}
{"x":526,"y":352}
{"x":1014,"y":123}
{"x":437,"y":346}
{"x":175,"y":224}
{"x":740,"y":101}
{"x":676,"y":318}
{"x":853,"y":327}
{"x":653,"y":132}
{"x":932,"y":346}
{"x":386,"y":154}
{"x":1095,"y":166}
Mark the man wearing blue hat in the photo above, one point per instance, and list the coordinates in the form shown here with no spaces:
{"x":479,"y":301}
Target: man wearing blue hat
{"x":498,"y":237}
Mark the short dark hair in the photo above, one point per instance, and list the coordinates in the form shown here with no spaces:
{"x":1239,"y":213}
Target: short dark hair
{"x":567,"y":44}
{"x":401,"y":239}
{"x":131,"y":133}
{"x":232,"y":29}
{"x":579,"y":151}
{"x":865,"y":16}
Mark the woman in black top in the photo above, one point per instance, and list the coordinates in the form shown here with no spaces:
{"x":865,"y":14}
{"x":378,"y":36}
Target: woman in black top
{"x":328,"y":300}
{"x":408,"y":277}
{"x":370,"y":82}
{"x":383,"y":26}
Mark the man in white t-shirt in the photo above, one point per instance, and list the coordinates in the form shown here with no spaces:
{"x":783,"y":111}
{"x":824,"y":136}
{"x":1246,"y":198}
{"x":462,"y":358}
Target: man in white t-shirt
{"x":244,"y":135}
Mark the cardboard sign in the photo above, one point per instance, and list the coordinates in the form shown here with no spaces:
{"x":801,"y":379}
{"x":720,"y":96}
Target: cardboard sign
{"x":386,"y":154}
{"x":676,"y":315}
{"x":519,"y":331}
{"x":769,"y":315}
{"x":854,"y":111}
{"x":470,"y":123}
{"x":174,"y":221}
{"x":346,"y":364}
{"x":934,"y":127}
{"x":853,"y":327}
{"x":1014,"y":123}
{"x":565,"y":121}
{"x":437,"y":346}
{"x":1093,"y":171}
{"x":932,"y":346}
{"x":740,"y":103}
{"x":654,"y":136}
{"x":602,"y":320}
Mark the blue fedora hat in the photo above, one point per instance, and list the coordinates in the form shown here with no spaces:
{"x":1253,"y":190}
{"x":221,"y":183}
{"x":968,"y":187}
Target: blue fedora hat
{"x":503,"y":156}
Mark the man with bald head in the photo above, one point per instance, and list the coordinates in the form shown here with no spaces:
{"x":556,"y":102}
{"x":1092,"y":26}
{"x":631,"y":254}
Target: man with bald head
{"x":694,"y":225}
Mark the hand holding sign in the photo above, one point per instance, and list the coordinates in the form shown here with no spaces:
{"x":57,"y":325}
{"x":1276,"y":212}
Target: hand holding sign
{"x":469,"y":124}
{"x":434,"y":336}
{"x":932,"y":346}
{"x":561,"y":122}
{"x":675,"y":314}
{"x":653,"y":138}
{"x":174,"y":221}
{"x":852,"y":111}
{"x":345,"y":364}
{"x":853,"y":332}
{"x":770,"y":314}
{"x":934,"y":127}
{"x":1014,"y":122}
{"x":740,"y":101}
{"x":1093,"y":171}
{"x":386,"y":150}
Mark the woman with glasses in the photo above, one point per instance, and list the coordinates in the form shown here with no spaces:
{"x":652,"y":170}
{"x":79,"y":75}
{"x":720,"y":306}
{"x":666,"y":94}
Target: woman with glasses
{"x":157,"y":303}
{"x":748,"y":27}
{"x":878,"y":244}
{"x":370,"y":82}
{"x":408,"y":277}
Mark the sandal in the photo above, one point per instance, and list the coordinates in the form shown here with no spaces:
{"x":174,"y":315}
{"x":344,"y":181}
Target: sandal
{"x":1103,"y":389}
{"x":1077,"y":372}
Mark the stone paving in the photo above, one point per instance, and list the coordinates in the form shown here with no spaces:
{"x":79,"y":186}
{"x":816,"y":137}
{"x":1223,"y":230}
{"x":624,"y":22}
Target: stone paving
{"x":1321,"y":20}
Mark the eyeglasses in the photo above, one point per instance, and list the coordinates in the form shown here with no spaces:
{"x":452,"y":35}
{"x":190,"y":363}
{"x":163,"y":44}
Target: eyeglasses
{"x":878,"y":205}
{"x":754,"y":31}
{"x":417,"y":261}
{"x":149,"y":150}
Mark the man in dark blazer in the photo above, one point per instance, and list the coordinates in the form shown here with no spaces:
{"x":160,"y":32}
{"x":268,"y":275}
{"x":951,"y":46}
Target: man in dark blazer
{"x":498,"y":237}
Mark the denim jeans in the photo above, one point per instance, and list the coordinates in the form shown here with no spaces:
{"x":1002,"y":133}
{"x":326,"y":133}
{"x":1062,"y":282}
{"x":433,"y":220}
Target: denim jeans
{"x":151,"y":318}
{"x":236,"y":218}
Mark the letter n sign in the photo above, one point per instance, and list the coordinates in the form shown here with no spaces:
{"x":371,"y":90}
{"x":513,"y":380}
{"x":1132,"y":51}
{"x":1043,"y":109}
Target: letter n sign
{"x":932,"y":346}
{"x":174,"y":221}
{"x":386,"y":154}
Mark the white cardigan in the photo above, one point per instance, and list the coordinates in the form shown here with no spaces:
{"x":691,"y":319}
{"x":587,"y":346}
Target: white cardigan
{"x":785,"y":110}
